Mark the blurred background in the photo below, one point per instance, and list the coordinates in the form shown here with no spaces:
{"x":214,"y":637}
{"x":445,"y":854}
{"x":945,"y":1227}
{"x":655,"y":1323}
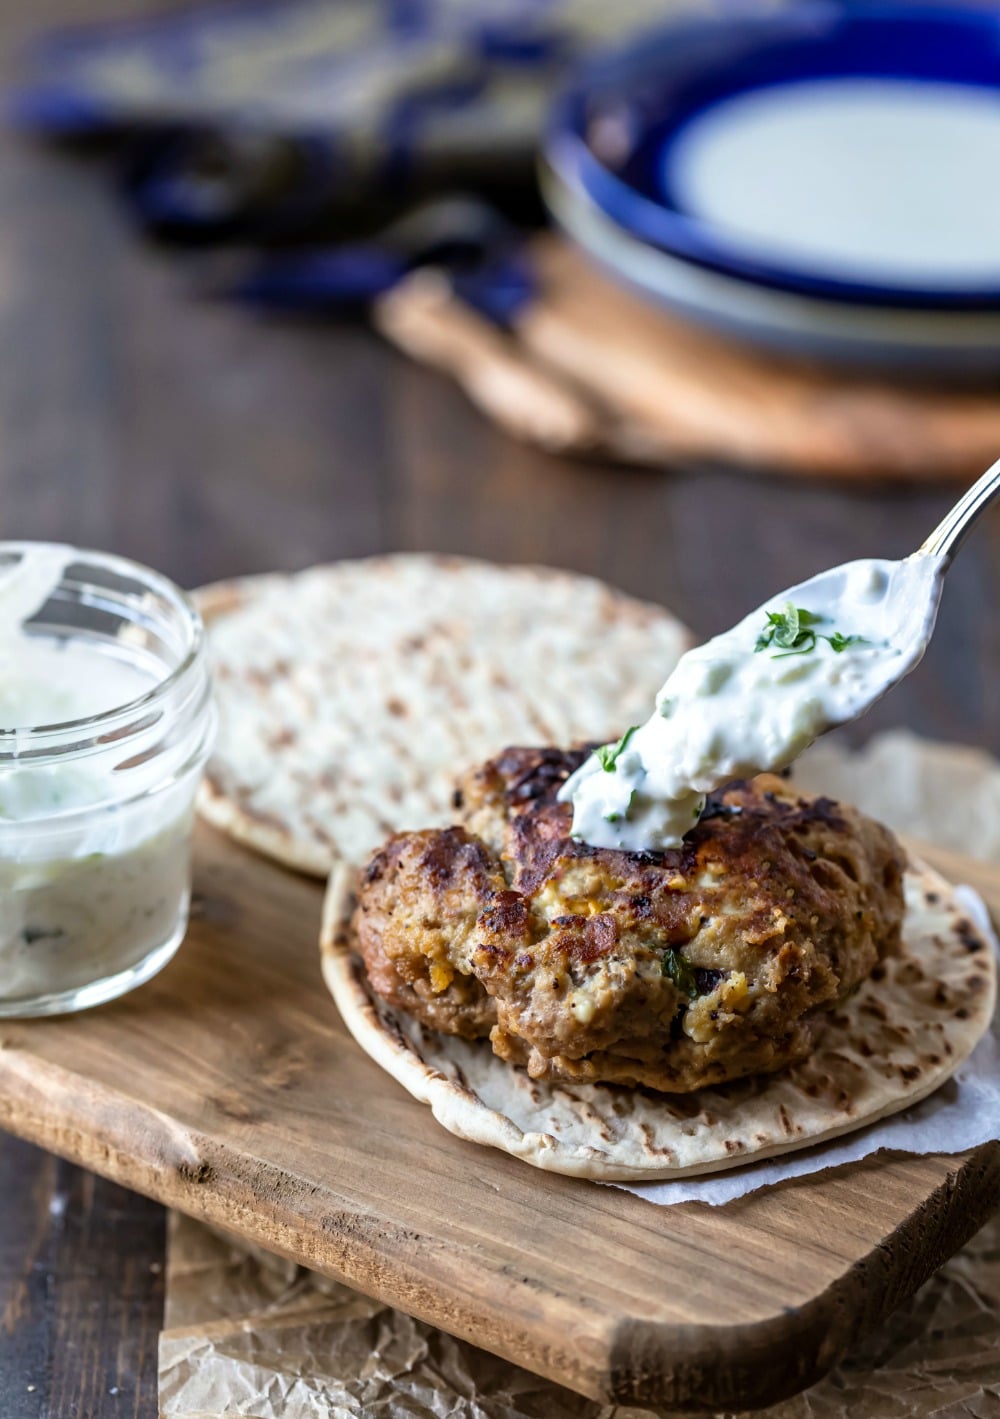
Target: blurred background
{"x":278,"y":285}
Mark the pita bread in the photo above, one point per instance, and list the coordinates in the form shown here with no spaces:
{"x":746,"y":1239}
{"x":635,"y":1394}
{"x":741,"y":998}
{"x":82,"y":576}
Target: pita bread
{"x":897,"y":1039}
{"x":349,"y":696}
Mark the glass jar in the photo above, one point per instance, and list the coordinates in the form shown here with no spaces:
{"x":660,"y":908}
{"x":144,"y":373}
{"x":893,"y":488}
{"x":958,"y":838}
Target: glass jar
{"x":96,"y":813}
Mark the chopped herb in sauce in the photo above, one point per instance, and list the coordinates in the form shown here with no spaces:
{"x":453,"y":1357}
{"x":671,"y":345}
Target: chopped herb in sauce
{"x":839,"y":642}
{"x":680,"y":971}
{"x":617,"y":817}
{"x":31,"y":934}
{"x":791,"y":632}
{"x":608,"y":754}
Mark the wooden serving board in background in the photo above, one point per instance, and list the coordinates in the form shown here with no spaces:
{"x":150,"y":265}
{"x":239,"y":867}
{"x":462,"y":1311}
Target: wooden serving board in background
{"x":589,"y":367}
{"x":227,"y":1087}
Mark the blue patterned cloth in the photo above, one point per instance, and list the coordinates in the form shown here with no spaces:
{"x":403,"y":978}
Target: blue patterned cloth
{"x":257,"y":119}
{"x":383,"y":83}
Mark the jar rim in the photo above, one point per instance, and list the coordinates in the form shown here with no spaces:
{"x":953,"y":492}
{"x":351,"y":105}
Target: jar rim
{"x":101,"y":728}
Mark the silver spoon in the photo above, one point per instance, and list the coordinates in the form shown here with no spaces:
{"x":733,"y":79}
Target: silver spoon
{"x":812,"y":658}
{"x":956,"y":525}
{"x":912,"y":592}
{"x":935,"y":554}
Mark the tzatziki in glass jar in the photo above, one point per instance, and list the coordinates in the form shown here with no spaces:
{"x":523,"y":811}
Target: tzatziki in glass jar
{"x":106,"y":721}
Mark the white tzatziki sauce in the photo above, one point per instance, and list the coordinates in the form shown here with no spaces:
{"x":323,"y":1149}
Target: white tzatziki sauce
{"x":93,"y":876}
{"x":755,"y":697}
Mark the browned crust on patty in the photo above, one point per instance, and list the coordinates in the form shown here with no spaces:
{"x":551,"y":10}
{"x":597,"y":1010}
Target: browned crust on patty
{"x":669,"y":970}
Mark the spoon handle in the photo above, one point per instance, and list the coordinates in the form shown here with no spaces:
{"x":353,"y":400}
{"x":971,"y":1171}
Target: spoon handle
{"x":956,"y":525}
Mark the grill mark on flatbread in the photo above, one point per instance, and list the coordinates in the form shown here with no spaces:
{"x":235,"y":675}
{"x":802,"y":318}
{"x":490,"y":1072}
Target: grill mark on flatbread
{"x":895,"y":1041}
{"x":349,"y":696}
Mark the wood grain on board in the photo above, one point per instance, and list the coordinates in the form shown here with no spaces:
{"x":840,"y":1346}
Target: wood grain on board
{"x":592,"y":368}
{"x":228,"y":1088}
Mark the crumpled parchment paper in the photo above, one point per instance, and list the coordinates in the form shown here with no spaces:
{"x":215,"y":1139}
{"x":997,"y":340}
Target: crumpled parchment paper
{"x":255,"y":1336}
{"x":249,"y":1335}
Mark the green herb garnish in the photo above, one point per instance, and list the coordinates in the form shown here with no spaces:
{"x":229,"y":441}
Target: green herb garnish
{"x":614,"y":817}
{"x":680,"y":971}
{"x":840,"y":642}
{"x":791,"y":633}
{"x":790,"y":630}
{"x":608,"y":754}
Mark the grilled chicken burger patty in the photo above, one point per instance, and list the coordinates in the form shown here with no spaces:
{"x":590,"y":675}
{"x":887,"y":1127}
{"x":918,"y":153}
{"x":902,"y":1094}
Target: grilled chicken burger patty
{"x":669,"y":970}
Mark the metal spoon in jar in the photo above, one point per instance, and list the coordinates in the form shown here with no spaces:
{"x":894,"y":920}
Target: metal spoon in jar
{"x":810,"y":659}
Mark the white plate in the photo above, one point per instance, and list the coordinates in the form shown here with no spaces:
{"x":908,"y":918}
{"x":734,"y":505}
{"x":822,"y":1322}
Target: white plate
{"x":946,"y":343}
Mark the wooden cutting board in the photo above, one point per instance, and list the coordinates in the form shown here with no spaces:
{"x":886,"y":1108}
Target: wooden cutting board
{"x":588,"y":367}
{"x":228,"y":1088}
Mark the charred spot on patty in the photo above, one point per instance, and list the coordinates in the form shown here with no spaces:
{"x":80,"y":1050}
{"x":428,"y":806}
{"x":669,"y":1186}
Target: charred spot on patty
{"x":774,"y":908}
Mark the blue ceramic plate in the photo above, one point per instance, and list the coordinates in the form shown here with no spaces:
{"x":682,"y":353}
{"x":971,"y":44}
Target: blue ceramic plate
{"x":845,"y":152}
{"x":941,"y":343}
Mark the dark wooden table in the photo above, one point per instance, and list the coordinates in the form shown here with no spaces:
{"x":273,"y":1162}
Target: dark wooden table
{"x":191,"y":436}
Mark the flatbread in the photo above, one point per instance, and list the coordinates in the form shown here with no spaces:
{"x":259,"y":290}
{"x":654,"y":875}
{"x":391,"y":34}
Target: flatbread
{"x":908,"y":1028}
{"x":350,"y":695}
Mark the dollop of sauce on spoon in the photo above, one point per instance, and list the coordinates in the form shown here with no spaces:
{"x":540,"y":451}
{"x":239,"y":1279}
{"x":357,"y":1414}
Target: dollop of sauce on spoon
{"x":753,"y":698}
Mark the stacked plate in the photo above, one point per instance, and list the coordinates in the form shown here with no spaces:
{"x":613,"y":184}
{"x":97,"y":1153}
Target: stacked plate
{"x":821,"y":179}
